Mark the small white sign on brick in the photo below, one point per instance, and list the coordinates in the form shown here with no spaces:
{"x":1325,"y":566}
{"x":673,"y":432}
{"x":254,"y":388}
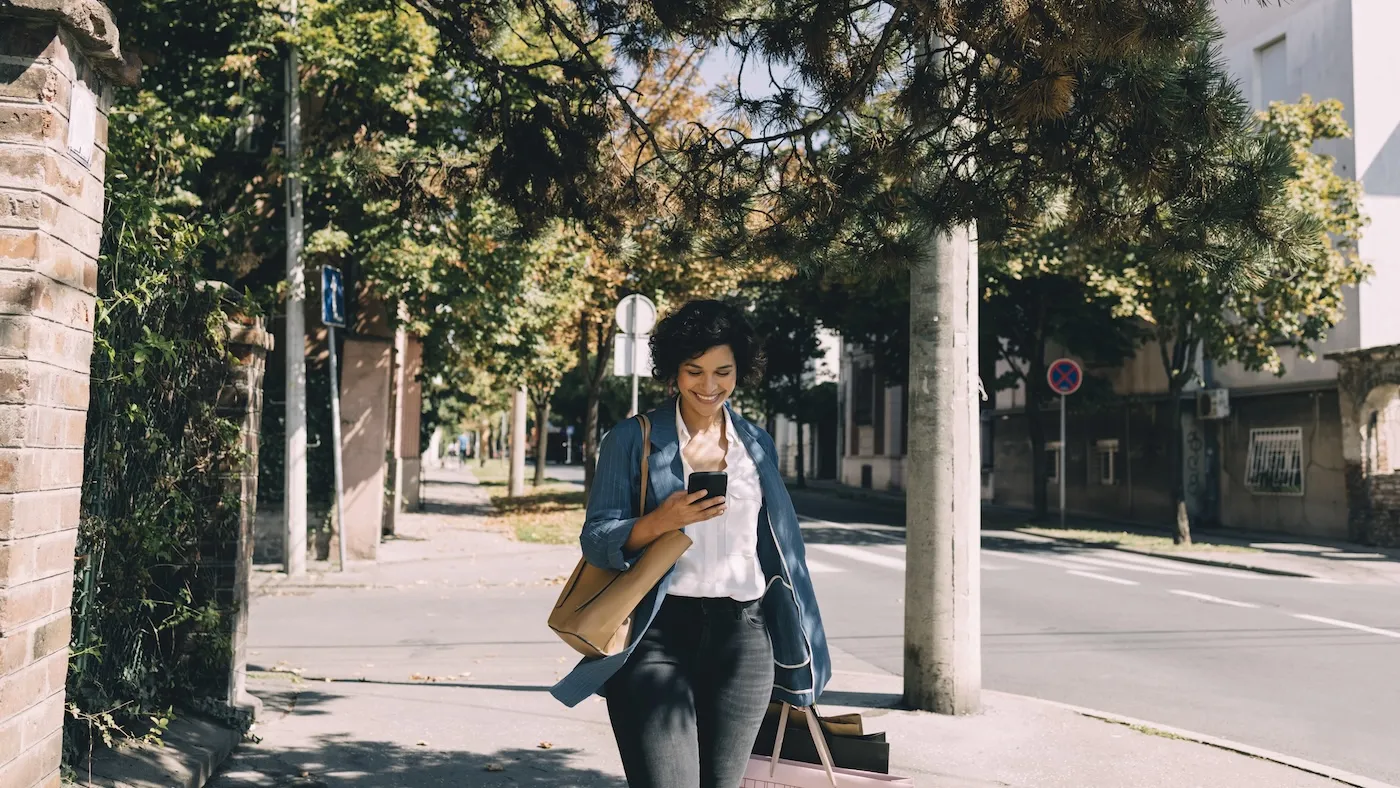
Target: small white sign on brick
{"x":82,"y":123}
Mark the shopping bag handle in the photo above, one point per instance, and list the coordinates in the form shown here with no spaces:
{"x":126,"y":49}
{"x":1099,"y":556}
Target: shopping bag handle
{"x":818,"y":739}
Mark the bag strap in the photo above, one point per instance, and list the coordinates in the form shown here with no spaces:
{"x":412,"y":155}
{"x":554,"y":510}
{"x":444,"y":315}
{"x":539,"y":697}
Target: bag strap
{"x":646,"y":454}
{"x":818,"y":739}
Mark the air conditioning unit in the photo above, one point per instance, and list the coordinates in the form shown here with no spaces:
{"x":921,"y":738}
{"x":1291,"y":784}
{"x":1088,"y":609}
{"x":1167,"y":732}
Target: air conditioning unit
{"x":1213,"y":404}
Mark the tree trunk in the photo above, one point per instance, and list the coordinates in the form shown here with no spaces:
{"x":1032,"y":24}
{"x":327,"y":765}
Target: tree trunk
{"x":1182,"y":534}
{"x":1035,"y":430}
{"x":541,"y":439}
{"x":594,"y":374}
{"x":801,"y":459}
{"x":943,"y":609}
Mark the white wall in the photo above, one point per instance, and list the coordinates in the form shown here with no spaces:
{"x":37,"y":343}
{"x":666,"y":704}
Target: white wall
{"x":1377,"y":128}
{"x":1317,"y":40}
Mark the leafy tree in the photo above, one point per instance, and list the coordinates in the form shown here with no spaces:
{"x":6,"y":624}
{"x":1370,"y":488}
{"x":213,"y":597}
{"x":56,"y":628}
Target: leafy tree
{"x":1294,"y":303}
{"x":1032,"y":296}
{"x":789,"y":332}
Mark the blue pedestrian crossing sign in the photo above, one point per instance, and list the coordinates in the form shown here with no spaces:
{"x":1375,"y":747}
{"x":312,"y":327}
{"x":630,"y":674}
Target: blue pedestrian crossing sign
{"x":1065,"y":376}
{"x":332,"y":297}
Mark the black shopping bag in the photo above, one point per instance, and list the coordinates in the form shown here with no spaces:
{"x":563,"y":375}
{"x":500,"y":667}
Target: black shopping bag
{"x":867,"y":752}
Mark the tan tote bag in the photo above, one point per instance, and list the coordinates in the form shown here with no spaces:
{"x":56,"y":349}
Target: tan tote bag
{"x":594,"y":611}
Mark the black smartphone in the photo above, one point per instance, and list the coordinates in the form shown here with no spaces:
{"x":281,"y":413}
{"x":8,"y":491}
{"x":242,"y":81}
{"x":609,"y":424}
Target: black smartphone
{"x":714,"y":483}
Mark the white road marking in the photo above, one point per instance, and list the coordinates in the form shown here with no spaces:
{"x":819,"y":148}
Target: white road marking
{"x":1121,"y":565}
{"x":1105,"y":578}
{"x":1031,"y":559}
{"x":817,"y":567}
{"x":1212,"y":599}
{"x":856,"y":553}
{"x":869,"y":529}
{"x":1348,"y":625}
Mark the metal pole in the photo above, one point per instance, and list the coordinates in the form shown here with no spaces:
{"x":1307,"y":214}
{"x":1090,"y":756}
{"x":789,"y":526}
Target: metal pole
{"x":295,"y":478}
{"x":1063,"y":448}
{"x":632,"y":335}
{"x":336,"y":449}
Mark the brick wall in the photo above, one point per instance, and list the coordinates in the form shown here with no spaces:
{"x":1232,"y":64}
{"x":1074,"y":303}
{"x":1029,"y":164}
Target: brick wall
{"x":51,"y":205}
{"x":1383,"y":515}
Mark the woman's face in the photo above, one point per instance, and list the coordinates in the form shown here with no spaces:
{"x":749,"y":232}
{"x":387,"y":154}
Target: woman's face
{"x":707,"y":380}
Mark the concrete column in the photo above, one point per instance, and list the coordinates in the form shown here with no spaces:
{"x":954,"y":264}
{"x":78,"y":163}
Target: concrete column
{"x":410,"y":407}
{"x":57,"y":62}
{"x":241,"y":400}
{"x":364,"y":423}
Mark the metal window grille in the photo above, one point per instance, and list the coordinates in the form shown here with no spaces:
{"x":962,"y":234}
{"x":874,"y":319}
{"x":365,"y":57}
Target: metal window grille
{"x":1275,"y":461}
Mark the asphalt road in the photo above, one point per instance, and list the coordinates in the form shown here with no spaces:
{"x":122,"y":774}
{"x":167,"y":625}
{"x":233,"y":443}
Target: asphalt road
{"x":1298,"y":666}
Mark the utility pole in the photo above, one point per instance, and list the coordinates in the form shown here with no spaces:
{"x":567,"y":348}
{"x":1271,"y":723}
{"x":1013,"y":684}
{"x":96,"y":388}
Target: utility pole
{"x":517,"y":443}
{"x":294,"y":498}
{"x":942,"y":584}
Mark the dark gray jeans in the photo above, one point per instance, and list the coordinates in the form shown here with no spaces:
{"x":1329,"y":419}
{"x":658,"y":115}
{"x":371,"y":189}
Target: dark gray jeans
{"x":687,"y":705}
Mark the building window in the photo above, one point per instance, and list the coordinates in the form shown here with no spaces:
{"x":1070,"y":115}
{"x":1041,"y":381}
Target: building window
{"x":1275,"y":464}
{"x":1052,"y":456}
{"x":863,"y":398}
{"x":1271,"y":74}
{"x":1107,"y":453}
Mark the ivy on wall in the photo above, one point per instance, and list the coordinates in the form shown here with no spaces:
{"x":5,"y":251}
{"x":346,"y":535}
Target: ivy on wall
{"x":159,"y":519}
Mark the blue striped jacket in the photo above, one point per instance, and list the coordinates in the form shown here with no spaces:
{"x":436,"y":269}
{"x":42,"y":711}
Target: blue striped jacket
{"x":801,"y":660}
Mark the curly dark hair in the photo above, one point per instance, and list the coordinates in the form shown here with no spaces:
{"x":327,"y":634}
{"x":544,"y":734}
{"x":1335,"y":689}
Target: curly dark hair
{"x":698,"y":326}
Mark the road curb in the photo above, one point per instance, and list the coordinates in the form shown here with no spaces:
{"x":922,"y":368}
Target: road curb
{"x":1185,"y":559}
{"x":1301,"y":764}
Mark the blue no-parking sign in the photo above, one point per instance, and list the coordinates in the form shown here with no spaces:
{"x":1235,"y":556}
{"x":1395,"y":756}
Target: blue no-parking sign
{"x":1065,"y":377}
{"x":332,"y":297}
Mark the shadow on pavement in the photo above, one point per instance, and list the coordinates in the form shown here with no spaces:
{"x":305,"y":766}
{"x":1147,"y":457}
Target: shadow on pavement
{"x":381,"y":764}
{"x":850,"y":536}
{"x":457,"y":509}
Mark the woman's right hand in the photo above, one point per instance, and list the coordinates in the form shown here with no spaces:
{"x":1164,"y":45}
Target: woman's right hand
{"x":684,"y":508}
{"x":674,"y":513}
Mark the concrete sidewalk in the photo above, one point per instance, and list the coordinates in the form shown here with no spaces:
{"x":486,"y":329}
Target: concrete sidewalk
{"x":432,"y":668}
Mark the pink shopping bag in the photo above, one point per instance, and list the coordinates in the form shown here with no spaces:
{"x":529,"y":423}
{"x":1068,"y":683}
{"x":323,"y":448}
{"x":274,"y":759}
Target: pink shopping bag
{"x":774,"y":772}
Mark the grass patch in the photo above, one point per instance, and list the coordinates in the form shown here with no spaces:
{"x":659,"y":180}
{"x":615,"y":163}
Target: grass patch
{"x":1160,"y":544}
{"x":494,"y":473}
{"x":549,"y":514}
{"x":1150,"y":731}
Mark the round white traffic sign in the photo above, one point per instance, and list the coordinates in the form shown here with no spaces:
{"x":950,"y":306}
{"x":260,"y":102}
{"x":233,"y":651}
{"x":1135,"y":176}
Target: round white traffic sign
{"x":645,"y":314}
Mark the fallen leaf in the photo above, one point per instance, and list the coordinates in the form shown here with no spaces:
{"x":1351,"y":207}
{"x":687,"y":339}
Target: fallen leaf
{"x":422,"y":743}
{"x":546,"y":745}
{"x":495,"y":767}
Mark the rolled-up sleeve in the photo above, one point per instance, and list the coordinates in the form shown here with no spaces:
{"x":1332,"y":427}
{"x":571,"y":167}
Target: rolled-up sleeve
{"x":612,"y":502}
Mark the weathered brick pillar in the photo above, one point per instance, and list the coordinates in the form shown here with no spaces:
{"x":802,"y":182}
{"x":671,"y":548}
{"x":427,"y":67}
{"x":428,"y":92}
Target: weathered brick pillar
{"x":57,"y":62}
{"x":241,"y":401}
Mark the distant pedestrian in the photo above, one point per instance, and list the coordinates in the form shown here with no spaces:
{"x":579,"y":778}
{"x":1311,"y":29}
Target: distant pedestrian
{"x":735,"y":623}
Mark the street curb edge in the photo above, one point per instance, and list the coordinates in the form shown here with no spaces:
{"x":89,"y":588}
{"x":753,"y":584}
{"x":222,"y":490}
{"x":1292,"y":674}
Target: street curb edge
{"x":1301,"y":764}
{"x":1222,"y":564}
